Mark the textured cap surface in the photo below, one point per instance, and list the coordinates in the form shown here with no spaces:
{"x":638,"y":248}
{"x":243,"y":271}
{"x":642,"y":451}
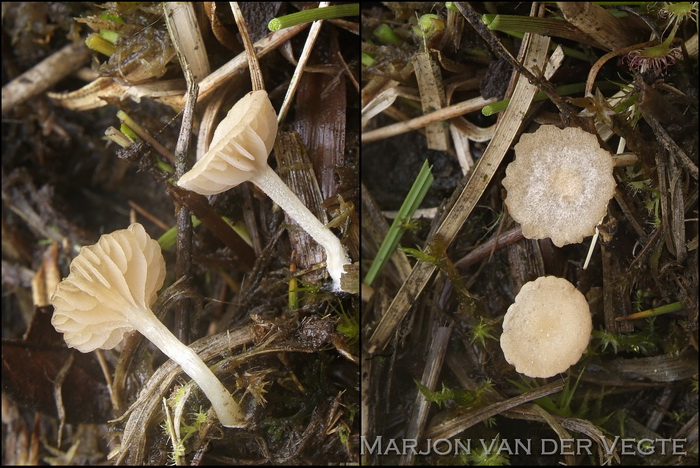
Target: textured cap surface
{"x":559,"y":184}
{"x":547,"y":328}
{"x":119,"y":275}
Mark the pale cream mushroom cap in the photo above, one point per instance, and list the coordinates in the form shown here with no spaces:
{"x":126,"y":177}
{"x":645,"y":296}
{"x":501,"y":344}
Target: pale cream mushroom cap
{"x":559,"y":184}
{"x":239,"y":151}
{"x":109,"y":292}
{"x":122,"y":272}
{"x":240,"y":146}
{"x":547,"y":328}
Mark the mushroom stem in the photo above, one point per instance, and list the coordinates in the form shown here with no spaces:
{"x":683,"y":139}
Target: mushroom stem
{"x":226,"y":408}
{"x":277,"y":190}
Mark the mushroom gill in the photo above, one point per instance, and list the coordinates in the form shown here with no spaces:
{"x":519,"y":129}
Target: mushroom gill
{"x":109,"y":292}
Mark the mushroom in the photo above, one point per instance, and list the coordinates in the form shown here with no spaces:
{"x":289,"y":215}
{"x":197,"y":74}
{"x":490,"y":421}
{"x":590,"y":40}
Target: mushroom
{"x":547,"y":328}
{"x":239,"y":151}
{"x":559,"y":184}
{"x":109,"y":292}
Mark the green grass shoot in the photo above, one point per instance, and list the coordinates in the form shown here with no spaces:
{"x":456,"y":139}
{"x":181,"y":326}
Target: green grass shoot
{"x":398,"y":227}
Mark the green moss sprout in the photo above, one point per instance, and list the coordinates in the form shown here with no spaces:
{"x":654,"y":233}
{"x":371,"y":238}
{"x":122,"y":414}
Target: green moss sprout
{"x":460,"y":397}
{"x":481,"y":332}
{"x":486,"y":455}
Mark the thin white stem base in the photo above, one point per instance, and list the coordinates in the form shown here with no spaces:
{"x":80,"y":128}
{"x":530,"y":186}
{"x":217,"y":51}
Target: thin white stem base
{"x":226,"y":408}
{"x":277,"y":190}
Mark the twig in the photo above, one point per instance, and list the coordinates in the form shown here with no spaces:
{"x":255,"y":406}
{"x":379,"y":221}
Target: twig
{"x":253,"y":64}
{"x":454,"y":426}
{"x":305,"y":54}
{"x":147,"y":214}
{"x":463,"y":202}
{"x":544,"y":85}
{"x":593,"y":73}
{"x":44,"y":75}
{"x":183,"y":262}
{"x":419,"y":122}
{"x":484,"y":250}
{"x":431,"y":373}
{"x":116,"y":403}
{"x":670,"y":145}
{"x":238,"y":64}
{"x":348,"y":72}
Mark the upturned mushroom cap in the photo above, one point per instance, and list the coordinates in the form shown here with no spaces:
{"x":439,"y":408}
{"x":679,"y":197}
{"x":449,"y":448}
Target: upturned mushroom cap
{"x":547,"y":328}
{"x":241,"y":144}
{"x":559,"y":184}
{"x":122,"y":272}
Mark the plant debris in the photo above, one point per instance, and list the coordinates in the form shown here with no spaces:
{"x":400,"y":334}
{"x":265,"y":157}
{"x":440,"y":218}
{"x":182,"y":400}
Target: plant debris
{"x":433,"y":369}
{"x":292,"y":364}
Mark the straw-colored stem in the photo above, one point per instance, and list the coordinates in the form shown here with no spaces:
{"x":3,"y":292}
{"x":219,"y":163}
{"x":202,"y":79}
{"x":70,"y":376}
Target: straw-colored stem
{"x":255,"y":73}
{"x":296,"y":77}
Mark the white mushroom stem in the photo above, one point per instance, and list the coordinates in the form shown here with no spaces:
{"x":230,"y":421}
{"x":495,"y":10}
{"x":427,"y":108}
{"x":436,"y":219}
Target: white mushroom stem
{"x":336,"y":257}
{"x":239,"y":151}
{"x":109,"y":292}
{"x":226,"y":408}
{"x":265,"y":178}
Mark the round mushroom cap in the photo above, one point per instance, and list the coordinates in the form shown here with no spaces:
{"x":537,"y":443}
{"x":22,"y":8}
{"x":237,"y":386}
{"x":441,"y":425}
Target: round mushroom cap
{"x":118,"y":276}
{"x":241,"y":143}
{"x":559,"y":184}
{"x":547,"y":328}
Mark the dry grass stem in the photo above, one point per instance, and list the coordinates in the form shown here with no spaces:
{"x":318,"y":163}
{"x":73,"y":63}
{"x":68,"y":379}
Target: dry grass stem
{"x":44,"y":75}
{"x":239,"y":63}
{"x":431,"y":373}
{"x":535,"y":48}
{"x":454,"y":426}
{"x":299,"y":70}
{"x":594,"y":20}
{"x":432,"y":96}
{"x":455,"y":110}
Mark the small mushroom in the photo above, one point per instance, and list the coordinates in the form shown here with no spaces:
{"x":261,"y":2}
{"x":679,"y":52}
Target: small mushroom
{"x":559,"y":184}
{"x":547,"y":328}
{"x":109,"y":292}
{"x":239,"y":147}
{"x":239,"y":151}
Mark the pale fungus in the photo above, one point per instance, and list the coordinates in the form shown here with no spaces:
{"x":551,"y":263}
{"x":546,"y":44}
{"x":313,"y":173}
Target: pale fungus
{"x":559,"y":184}
{"x":239,"y":148}
{"x":109,"y":292}
{"x":547,"y":328}
{"x":239,"y":151}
